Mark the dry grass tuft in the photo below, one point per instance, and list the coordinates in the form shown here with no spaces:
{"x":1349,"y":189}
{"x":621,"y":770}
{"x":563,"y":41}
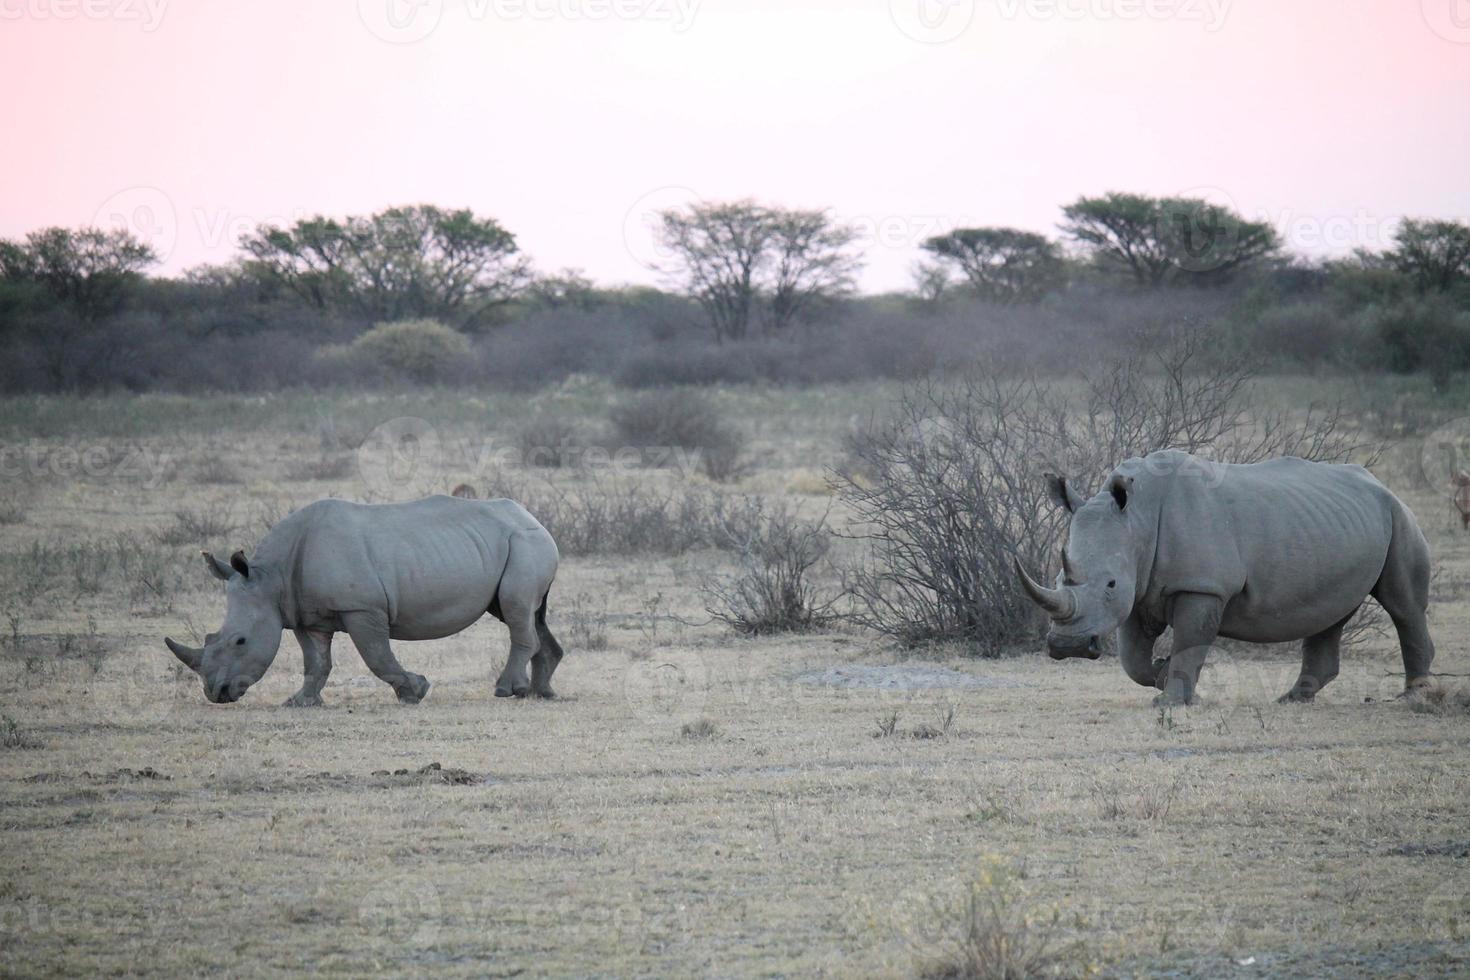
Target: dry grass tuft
{"x":702,"y":728}
{"x":996,"y":932}
{"x":1441,"y":700}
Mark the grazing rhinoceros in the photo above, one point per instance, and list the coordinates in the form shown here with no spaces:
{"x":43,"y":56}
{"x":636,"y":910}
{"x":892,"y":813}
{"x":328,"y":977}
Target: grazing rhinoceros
{"x":412,"y":571}
{"x":1267,"y":552}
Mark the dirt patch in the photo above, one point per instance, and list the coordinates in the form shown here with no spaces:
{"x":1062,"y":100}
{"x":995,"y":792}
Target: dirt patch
{"x":899,"y":677}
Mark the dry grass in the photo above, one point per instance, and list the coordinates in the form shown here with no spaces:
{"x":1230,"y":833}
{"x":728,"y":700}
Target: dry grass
{"x":590,"y":836}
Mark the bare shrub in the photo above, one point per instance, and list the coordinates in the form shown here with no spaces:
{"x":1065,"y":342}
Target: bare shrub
{"x":586,"y":623}
{"x":772,"y":593}
{"x":11,"y":512}
{"x":681,"y":419}
{"x":550,"y":441}
{"x":196,"y":526}
{"x":994,"y":931}
{"x":948,"y":490}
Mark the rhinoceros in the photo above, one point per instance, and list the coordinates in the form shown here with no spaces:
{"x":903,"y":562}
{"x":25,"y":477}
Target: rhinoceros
{"x":1268,"y":552}
{"x":419,"y":570}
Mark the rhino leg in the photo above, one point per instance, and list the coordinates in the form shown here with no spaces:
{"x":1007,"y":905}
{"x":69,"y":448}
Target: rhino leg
{"x":1320,"y":656}
{"x":1196,"y":622}
{"x":369,"y":632}
{"x":520,"y":617}
{"x":1136,"y":651}
{"x":1403,"y":592}
{"x":316,"y":654}
{"x":545,"y":662}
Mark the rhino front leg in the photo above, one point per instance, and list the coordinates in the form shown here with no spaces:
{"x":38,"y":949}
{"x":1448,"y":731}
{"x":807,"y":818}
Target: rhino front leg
{"x":1196,"y":622}
{"x":316,"y":654}
{"x":369,"y":632}
{"x":1136,"y":652}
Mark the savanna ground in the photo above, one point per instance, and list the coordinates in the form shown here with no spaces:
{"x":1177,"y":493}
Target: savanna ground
{"x":696,"y":803}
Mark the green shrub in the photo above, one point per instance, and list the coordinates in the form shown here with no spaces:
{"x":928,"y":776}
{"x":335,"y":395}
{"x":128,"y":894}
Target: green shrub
{"x":1423,"y":335}
{"x":420,"y":350}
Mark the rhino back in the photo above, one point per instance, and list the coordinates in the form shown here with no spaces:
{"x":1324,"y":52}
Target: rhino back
{"x":433,"y":565}
{"x":1292,"y":546}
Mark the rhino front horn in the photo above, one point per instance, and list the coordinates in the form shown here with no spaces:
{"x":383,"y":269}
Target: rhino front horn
{"x":188,"y":656}
{"x":1058,"y":603}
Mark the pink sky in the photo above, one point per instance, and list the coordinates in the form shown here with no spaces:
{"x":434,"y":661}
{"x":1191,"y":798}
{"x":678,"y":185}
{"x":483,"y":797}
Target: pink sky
{"x":571,"y":121}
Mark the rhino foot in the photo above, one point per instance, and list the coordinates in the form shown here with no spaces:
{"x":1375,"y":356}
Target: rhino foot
{"x":414,"y":691}
{"x":1170,"y":700}
{"x":545,"y":694}
{"x":519,"y":692}
{"x":1296,"y":696}
{"x":303,"y":700}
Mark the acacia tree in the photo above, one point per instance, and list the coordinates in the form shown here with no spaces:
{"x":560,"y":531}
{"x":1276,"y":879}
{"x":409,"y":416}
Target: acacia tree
{"x":1434,"y":254}
{"x":1168,"y":240}
{"x":735,"y":258}
{"x":812,"y":263}
{"x":60,"y":285}
{"x":401,"y":263}
{"x":1004,"y":265}
{"x":89,"y":271}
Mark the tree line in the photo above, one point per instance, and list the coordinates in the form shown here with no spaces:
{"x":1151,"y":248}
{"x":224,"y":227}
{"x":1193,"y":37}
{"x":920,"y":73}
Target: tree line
{"x":748,"y":269}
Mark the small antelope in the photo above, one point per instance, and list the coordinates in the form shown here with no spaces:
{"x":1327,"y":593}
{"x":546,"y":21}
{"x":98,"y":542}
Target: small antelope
{"x":1461,"y":482}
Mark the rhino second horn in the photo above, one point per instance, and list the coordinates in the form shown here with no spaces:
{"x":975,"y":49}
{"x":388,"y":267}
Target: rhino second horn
{"x":1058,"y":603}
{"x":188,"y":656}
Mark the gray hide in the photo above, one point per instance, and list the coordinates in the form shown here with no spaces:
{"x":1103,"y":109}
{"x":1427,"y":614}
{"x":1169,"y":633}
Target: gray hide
{"x":1268,"y":552}
{"x":412,"y":571}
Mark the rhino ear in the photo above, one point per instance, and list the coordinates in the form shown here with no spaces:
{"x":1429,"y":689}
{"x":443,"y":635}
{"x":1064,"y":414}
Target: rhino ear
{"x":239,"y":564}
{"x":216,"y":567}
{"x":1062,"y":494}
{"x":1120,"y":487}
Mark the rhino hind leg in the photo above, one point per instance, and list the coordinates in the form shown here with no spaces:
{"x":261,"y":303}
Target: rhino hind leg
{"x":369,"y":632}
{"x":547,"y":657}
{"x":1403,"y":592}
{"x":1320,"y":659}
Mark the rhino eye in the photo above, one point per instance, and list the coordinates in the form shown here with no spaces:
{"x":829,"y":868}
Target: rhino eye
{"x":240,"y":642}
{"x":1112,"y":582}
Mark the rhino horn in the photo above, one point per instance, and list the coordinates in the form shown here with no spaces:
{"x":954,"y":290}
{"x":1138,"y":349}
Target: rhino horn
{"x":1058,"y":603}
{"x":188,"y":656}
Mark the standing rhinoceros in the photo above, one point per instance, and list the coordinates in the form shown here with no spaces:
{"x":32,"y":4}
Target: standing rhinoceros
{"x":412,"y":571}
{"x":1266,"y":552}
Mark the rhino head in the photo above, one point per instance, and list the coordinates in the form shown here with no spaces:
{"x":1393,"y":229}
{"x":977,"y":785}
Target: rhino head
{"x":1096,"y":587}
{"x":240,"y":653}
